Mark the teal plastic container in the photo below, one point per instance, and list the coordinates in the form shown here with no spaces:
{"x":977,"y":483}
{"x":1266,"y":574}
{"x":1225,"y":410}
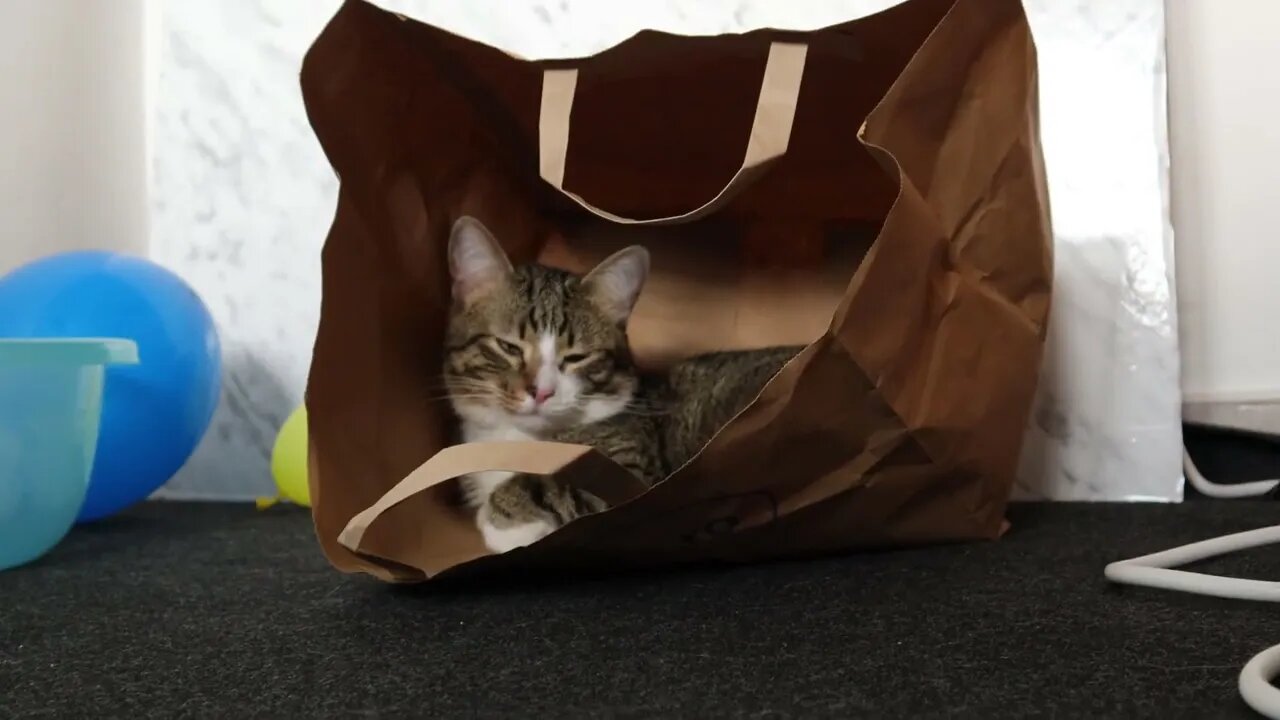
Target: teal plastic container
{"x":50,"y":406}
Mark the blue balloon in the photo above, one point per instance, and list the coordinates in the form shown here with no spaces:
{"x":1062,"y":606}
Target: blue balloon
{"x":154,"y":413}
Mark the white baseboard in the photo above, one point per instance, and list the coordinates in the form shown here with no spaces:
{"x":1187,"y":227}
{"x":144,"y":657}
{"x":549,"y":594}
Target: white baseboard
{"x":1259,"y":417}
{"x":164,"y":494}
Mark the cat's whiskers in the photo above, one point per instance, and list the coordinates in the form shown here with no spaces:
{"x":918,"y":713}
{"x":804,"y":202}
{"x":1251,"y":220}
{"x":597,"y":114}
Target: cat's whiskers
{"x":636,"y":400}
{"x":464,"y":397}
{"x":471,"y":392}
{"x":636,"y":407}
{"x":444,"y":382}
{"x":643,"y":413}
{"x":470,"y":389}
{"x":457,"y":380}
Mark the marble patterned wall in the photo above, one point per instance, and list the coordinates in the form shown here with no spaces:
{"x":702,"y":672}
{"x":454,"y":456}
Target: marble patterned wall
{"x":241,"y":198}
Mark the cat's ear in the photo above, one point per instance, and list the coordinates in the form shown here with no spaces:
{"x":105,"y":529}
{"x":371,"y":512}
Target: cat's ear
{"x":476,"y":261}
{"x":614,"y":285}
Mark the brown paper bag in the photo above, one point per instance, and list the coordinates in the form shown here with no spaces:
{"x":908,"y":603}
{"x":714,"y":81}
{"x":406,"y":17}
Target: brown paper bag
{"x":872,"y":190}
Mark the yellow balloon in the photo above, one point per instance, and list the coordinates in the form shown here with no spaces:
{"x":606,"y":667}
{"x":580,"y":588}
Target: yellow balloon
{"x":289,"y":459}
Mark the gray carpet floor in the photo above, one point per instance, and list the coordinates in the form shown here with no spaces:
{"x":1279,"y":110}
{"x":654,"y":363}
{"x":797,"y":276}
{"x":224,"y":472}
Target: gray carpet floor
{"x":177,"y":610}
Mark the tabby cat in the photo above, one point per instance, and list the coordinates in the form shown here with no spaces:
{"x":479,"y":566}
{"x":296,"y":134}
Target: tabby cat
{"x":536,"y":353}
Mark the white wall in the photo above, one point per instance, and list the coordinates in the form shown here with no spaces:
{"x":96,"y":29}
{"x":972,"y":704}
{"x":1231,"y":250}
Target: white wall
{"x":72,"y":127}
{"x":1224,"y":122}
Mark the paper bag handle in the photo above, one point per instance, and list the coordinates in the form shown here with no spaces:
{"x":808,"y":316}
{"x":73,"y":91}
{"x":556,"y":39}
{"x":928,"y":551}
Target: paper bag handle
{"x":770,"y":131}
{"x":530,"y":458}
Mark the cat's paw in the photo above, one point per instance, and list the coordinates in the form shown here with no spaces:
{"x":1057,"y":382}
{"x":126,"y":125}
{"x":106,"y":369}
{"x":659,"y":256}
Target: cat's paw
{"x":510,"y":537}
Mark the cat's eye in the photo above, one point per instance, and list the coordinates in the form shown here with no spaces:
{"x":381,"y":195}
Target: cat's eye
{"x":509,"y":348}
{"x":574,"y":358}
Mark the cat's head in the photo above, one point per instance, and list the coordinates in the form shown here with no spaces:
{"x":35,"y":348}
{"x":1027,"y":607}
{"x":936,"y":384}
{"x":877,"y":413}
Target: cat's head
{"x":533,"y":347}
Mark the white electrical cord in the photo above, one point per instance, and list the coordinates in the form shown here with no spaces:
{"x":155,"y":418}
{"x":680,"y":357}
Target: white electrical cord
{"x":1155,"y":571}
{"x":1216,"y":490}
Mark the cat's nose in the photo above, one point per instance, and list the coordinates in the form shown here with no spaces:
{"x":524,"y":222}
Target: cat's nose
{"x":541,"y":394}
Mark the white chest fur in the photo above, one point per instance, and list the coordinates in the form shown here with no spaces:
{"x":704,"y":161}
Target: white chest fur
{"x":477,"y":487}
